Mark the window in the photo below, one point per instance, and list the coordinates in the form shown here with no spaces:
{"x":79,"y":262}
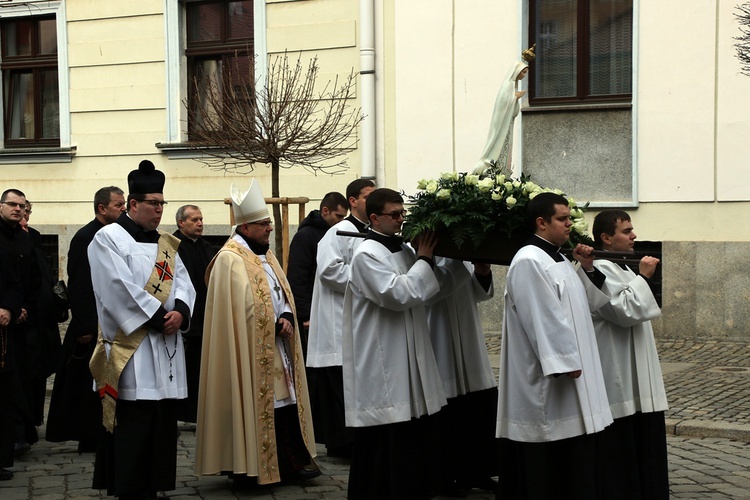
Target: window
{"x":219,"y":51}
{"x":583,"y":51}
{"x":31,"y":103}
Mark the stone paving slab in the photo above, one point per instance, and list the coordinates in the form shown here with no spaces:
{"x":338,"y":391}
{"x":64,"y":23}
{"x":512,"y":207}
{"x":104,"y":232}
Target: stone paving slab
{"x":708,"y":387}
{"x":707,"y":383}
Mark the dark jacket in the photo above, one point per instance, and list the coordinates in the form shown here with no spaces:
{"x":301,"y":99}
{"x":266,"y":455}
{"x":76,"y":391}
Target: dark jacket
{"x":303,"y":253}
{"x":196,"y":255}
{"x":84,"y":320}
{"x":10,"y":299}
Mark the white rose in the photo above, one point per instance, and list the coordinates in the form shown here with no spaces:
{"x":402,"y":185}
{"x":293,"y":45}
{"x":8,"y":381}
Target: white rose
{"x":581,"y":226}
{"x":500,"y":178}
{"x":422,"y":184}
{"x":530,"y":187}
{"x":485,"y":185}
{"x":576,"y":213}
{"x":431,"y":187}
{"x":446,"y":176}
{"x":516,"y":184}
{"x":443,"y":194}
{"x":472,"y":180}
{"x":508,"y":185}
{"x":510,"y":201}
{"x":572,"y":203}
{"x":497,"y":196}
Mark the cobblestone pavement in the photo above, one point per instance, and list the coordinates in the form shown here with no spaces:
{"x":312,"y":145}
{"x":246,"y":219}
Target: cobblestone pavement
{"x":708,"y":385}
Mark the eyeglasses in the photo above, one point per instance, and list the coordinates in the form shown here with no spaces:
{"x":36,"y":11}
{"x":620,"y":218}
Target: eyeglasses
{"x":265,"y":223}
{"x":154,"y":203}
{"x":395,"y":214}
{"x":13,"y":204}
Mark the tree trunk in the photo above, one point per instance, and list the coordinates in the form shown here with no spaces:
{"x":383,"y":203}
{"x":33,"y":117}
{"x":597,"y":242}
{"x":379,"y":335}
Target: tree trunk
{"x":278,"y":222}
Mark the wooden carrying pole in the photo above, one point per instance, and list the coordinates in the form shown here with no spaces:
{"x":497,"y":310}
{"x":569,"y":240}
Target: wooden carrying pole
{"x":632,"y":258}
{"x":284,"y":202}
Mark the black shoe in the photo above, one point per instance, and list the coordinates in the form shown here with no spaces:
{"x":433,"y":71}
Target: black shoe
{"x":88,"y":446}
{"x":21,"y":448}
{"x":5,"y":475}
{"x":307,"y":473}
{"x":487,"y":484}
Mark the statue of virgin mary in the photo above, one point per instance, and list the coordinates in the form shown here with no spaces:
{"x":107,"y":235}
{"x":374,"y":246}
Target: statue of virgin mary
{"x":499,"y":147}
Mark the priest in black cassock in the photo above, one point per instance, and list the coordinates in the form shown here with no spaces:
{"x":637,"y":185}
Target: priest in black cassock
{"x":196,"y":253}
{"x":75,"y":408}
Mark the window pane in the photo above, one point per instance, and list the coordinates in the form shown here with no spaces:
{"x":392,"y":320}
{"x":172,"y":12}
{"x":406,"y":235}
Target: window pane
{"x":50,"y":105}
{"x":242,"y":70}
{"x":204,"y":22}
{"x":48,"y":36}
{"x":240,"y":20}
{"x":19,"y":105}
{"x":18,"y":38}
{"x":556,"y":62}
{"x":207,"y":93}
{"x":611,"y":47}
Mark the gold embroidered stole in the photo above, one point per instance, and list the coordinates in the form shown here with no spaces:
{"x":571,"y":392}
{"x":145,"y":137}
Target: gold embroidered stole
{"x":107,"y":371}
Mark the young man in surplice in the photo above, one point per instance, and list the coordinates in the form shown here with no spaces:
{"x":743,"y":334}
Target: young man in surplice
{"x":552,"y":398}
{"x":632,"y":373}
{"x":392,"y":387}
{"x":324,"y":371}
{"x":143,"y":301}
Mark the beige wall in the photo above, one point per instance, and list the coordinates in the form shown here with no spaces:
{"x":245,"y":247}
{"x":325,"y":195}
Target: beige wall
{"x":117,"y":72}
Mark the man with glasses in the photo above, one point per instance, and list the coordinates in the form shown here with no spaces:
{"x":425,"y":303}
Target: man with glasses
{"x":19,"y":247}
{"x":392,"y":386}
{"x":143,"y":299}
{"x":75,"y":410}
{"x":254,"y":419}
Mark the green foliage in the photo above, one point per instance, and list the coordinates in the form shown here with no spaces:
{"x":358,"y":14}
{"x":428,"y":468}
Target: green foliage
{"x":470,"y":207}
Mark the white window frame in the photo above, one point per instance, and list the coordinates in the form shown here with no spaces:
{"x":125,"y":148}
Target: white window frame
{"x":44,"y":154}
{"x":176,"y":68}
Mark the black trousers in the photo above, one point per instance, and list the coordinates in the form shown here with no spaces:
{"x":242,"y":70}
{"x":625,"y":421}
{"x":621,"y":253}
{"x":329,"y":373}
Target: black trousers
{"x":140,"y":457}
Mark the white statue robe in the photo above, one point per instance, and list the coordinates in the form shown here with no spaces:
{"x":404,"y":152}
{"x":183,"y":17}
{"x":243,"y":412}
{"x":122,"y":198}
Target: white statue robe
{"x":120,"y":268}
{"x":499,"y":145}
{"x":632,"y":372}
{"x":331,"y":277}
{"x":456,"y":329}
{"x":390,"y":373}
{"x":547,"y":331}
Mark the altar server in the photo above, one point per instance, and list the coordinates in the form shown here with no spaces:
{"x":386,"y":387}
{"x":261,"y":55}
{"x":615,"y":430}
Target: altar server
{"x":632,"y":372}
{"x":392,"y":386}
{"x":552,"y":398}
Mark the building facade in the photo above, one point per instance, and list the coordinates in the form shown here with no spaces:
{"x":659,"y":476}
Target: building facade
{"x":631,"y":104}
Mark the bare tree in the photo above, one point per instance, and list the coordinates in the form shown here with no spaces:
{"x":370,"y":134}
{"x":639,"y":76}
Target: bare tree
{"x":237,"y":122}
{"x":743,"y":41}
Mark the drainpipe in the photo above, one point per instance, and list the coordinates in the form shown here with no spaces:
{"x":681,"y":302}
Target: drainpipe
{"x":367,"y":87}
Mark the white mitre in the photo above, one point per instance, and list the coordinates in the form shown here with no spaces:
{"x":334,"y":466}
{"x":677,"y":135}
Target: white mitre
{"x":249,"y":206}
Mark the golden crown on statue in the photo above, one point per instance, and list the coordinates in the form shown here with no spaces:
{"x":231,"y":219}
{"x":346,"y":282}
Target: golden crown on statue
{"x":528,"y":55}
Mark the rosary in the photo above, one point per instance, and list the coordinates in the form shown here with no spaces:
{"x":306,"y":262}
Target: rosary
{"x":3,"y":345}
{"x":170,"y":356}
{"x":276,"y":287}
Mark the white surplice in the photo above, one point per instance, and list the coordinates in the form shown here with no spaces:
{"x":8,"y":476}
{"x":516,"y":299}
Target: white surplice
{"x":390,"y":373}
{"x":456,"y":329}
{"x":627,"y":349}
{"x":331,"y":277}
{"x":547,"y":331}
{"x":120,"y":268}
